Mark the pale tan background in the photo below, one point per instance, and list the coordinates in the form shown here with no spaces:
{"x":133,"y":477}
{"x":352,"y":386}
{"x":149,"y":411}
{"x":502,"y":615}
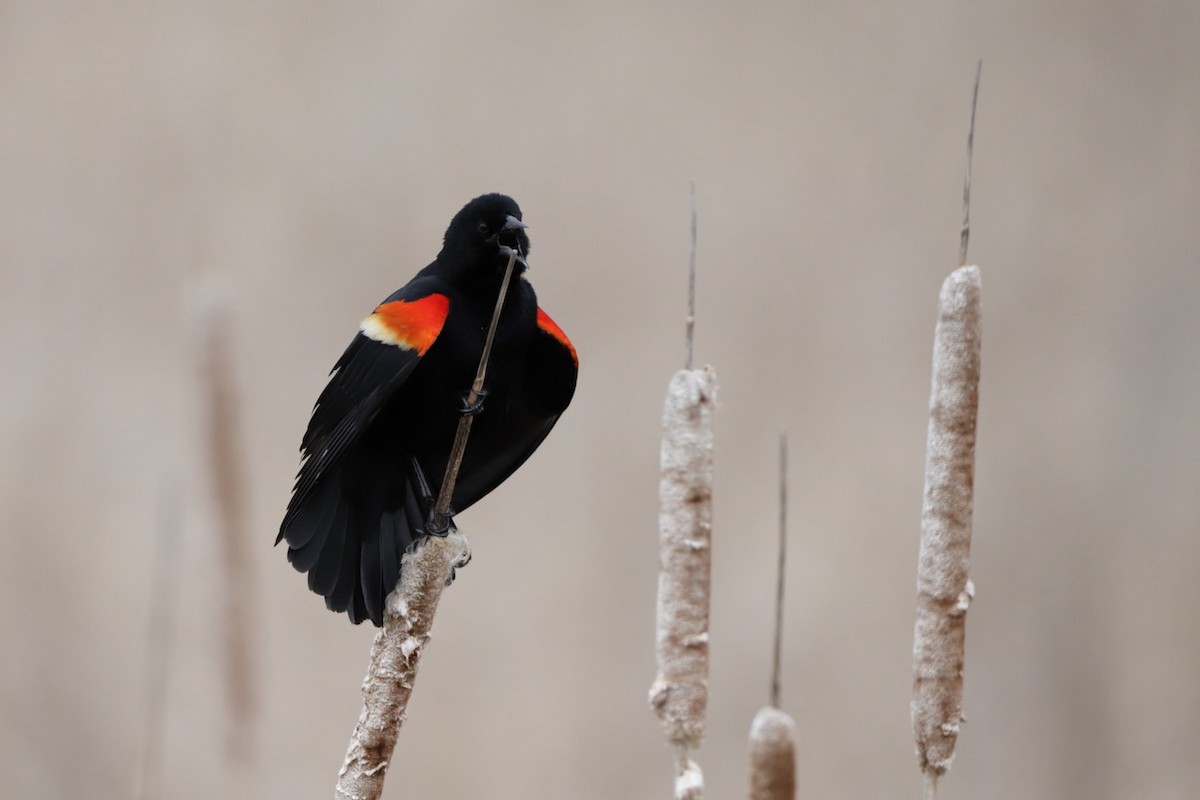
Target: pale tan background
{"x":303,"y":158}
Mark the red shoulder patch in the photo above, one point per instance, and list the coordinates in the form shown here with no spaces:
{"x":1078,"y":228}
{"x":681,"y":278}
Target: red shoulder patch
{"x":408,"y":324}
{"x":549,"y":326}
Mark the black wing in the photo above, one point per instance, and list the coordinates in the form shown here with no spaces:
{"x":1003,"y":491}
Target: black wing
{"x":375,"y":365}
{"x":547,"y":388}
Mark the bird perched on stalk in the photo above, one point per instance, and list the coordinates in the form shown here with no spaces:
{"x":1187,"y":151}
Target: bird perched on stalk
{"x":379,"y":440}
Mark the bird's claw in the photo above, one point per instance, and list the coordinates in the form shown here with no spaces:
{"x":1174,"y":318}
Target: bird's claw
{"x":440,"y":527}
{"x":462,"y":561}
{"x":468,"y":408}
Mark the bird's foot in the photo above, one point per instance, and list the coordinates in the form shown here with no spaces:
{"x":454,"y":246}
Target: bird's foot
{"x":468,"y":408}
{"x":440,"y":526}
{"x":462,"y":561}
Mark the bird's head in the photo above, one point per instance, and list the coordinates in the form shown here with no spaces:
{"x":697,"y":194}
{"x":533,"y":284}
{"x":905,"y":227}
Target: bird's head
{"x":485,"y":231}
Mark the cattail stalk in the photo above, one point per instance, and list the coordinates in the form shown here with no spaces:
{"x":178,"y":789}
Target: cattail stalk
{"x":679,"y":694}
{"x":965,"y":236}
{"x":780,"y":576}
{"x":944,"y":590}
{"x":408,"y":615}
{"x":395,"y":656}
{"x":690,"y":322}
{"x":773,"y":732}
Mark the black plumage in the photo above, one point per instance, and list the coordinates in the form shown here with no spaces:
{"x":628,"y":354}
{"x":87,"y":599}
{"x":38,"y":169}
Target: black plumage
{"x":390,"y":410}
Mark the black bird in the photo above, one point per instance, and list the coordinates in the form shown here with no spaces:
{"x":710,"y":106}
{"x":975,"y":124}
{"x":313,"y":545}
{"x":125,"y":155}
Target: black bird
{"x":379,"y":439}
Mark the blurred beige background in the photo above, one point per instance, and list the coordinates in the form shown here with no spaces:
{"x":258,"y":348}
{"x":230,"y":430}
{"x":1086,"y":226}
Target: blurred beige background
{"x":302,"y":159}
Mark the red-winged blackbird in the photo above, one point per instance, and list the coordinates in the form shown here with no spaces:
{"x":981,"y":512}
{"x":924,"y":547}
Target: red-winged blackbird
{"x":381,"y":431}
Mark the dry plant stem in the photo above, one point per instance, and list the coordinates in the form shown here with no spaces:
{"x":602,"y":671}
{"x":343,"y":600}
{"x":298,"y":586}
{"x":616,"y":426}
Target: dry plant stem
{"x":679,"y":695}
{"x":772,"y":756}
{"x":966,"y":226}
{"x":442,"y":507}
{"x":395,"y":656}
{"x":777,"y":656}
{"x":944,"y":590}
{"x":773,"y":733}
{"x":227,"y":468}
{"x":690,"y":327}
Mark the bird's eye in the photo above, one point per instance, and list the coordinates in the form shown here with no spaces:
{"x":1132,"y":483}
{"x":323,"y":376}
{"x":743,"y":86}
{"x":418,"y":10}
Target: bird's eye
{"x":482,"y":227}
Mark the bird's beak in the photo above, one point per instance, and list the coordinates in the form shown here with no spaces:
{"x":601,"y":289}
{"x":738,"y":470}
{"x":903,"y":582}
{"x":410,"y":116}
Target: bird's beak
{"x":511,"y":226}
{"x":506,"y":251}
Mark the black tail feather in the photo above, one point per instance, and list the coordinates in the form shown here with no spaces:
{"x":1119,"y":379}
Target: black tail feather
{"x":308,"y":527}
{"x":371,"y":567}
{"x":389,"y":555}
{"x":349,"y":542}
{"x":342,"y":596}
{"x":322,"y":578}
{"x":306,"y":518}
{"x":411,"y":524}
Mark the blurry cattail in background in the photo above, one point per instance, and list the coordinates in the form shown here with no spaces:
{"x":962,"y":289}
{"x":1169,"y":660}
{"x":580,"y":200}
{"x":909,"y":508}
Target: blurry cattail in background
{"x":679,"y":695}
{"x":228,"y":471}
